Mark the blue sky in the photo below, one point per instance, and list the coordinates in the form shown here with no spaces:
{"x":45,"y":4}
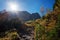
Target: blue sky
{"x":29,"y":5}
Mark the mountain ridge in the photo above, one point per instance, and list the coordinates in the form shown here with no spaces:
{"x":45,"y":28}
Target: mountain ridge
{"x":22,"y":15}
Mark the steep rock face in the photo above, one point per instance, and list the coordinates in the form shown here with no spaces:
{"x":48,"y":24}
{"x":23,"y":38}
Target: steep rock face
{"x":24,"y":15}
{"x":35,"y":16}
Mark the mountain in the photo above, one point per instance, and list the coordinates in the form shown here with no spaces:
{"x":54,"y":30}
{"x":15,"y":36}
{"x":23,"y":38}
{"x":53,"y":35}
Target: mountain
{"x":3,"y":16}
{"x":13,"y":28}
{"x":24,"y":15}
{"x":35,"y":16}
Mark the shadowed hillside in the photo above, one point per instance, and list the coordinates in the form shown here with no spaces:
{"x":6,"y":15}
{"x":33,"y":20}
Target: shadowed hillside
{"x":14,"y":27}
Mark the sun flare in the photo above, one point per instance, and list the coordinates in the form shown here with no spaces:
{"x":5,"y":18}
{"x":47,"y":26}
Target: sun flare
{"x":13,"y":7}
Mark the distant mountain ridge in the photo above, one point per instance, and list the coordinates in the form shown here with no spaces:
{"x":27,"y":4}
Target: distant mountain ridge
{"x":27,"y":16}
{"x":35,"y":16}
{"x":22,"y":15}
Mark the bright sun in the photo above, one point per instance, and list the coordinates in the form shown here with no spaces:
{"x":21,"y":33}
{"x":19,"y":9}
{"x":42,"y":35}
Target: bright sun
{"x":13,"y":7}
